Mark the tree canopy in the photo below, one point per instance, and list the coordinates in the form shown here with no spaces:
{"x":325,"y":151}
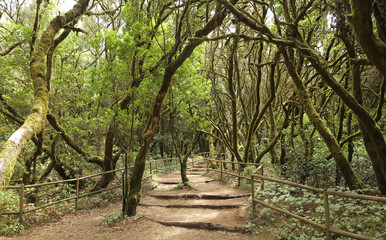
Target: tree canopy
{"x":300,"y":84}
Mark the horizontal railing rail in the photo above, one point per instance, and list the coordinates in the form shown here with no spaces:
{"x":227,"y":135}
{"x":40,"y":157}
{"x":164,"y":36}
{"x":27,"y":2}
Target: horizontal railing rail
{"x":327,"y":225}
{"x":260,"y":178}
{"x":153,"y":168}
{"x":238,"y":169}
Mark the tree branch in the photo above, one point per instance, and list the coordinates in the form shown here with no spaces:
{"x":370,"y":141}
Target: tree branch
{"x":10,"y":48}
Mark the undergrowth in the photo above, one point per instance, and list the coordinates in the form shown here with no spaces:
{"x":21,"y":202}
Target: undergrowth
{"x":188,"y":185}
{"x":9,"y":202}
{"x":358,"y":216}
{"x":9,"y":225}
{"x":111,"y":218}
{"x":363,"y":217}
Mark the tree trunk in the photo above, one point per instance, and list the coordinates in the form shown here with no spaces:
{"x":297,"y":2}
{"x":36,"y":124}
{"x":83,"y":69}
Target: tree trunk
{"x":34,"y":123}
{"x":108,"y":164}
{"x":212,"y":164}
{"x":370,"y":143}
{"x":272,"y":126}
{"x":184,"y":161}
{"x":134,"y":195}
{"x":344,"y":166}
{"x":232,"y":95}
{"x":87,"y":156}
{"x":361,"y":21}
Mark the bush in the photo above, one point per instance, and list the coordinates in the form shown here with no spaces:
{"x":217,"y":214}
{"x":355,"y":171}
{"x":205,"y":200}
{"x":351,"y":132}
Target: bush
{"x":112,"y":218}
{"x":357,"y":216}
{"x":9,"y":201}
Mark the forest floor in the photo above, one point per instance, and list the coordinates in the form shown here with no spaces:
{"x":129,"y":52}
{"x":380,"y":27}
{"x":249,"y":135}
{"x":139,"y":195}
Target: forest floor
{"x":208,"y":210}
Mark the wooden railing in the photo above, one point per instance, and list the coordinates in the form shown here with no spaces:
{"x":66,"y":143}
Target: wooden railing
{"x":237,"y":166}
{"x":168,"y":164}
{"x":77,"y":196}
{"x":260,"y":178}
{"x":154,"y":167}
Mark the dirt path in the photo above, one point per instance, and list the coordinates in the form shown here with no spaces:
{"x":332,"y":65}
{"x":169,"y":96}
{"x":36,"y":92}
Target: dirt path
{"x":210,"y":210}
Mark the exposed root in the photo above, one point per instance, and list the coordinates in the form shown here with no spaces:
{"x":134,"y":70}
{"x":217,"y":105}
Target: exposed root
{"x":209,"y":206}
{"x":204,"y":225}
{"x":202,"y":196}
{"x":177,"y":182}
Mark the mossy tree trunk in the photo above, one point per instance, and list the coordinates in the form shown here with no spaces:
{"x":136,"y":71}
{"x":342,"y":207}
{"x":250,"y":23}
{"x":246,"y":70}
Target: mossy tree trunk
{"x":108,"y":161}
{"x":34,"y":124}
{"x":189,"y":146}
{"x":344,"y":166}
{"x":132,"y":199}
{"x":361,"y":20}
{"x":272,"y":128}
{"x":66,"y":137}
{"x":369,"y":143}
{"x":233,"y":99}
{"x":212,"y":164}
{"x":183,"y":163}
{"x":375,"y":49}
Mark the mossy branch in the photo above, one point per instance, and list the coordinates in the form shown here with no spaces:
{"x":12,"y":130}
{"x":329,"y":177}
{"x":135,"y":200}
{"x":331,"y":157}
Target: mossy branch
{"x":58,"y":127}
{"x":13,"y":46}
{"x":34,"y":123}
{"x":361,"y":21}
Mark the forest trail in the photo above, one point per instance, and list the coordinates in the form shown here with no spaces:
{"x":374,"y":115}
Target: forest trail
{"x":209,"y":210}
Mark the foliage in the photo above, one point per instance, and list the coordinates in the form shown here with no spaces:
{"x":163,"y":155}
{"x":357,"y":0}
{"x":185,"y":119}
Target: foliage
{"x":9,"y":225}
{"x":317,"y":170}
{"x":248,"y":170}
{"x":8,"y":201}
{"x":93,"y":72}
{"x":358,"y":216}
{"x":111,"y":218}
{"x":181,"y":186}
{"x":362,"y":164}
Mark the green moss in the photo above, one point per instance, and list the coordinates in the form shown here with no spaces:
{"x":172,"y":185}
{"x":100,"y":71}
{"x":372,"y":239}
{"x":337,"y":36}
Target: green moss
{"x":6,"y":173}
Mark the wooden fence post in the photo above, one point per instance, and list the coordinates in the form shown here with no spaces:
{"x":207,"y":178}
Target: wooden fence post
{"x":77,"y":193}
{"x":151,"y":170}
{"x":221,"y":168}
{"x":21,"y":204}
{"x":327,"y":214}
{"x":262,"y":180}
{"x":238,"y":173}
{"x":252,"y":195}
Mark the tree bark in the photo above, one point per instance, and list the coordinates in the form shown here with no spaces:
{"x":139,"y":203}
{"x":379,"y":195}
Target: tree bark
{"x":87,"y":156}
{"x":361,"y":21}
{"x":108,"y":163}
{"x":369,"y":125}
{"x":34,"y":123}
{"x":134,"y":195}
{"x":348,"y":174}
{"x":212,"y":164}
{"x":272,"y":126}
{"x":183,"y":163}
{"x":188,"y":153}
{"x":370,"y":144}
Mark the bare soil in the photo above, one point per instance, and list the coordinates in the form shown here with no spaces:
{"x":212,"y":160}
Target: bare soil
{"x":209,"y":210}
